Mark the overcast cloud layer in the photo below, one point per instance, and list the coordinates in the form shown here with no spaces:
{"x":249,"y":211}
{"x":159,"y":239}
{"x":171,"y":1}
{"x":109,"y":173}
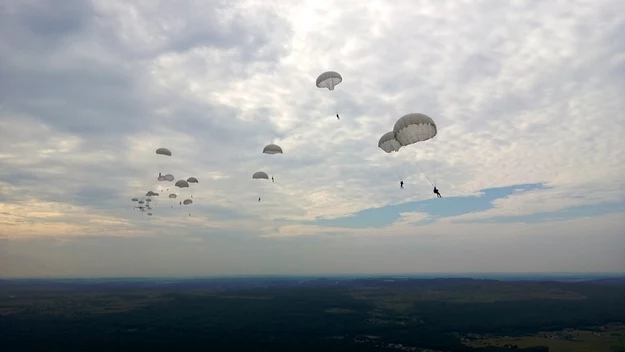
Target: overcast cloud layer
{"x":523,"y":93}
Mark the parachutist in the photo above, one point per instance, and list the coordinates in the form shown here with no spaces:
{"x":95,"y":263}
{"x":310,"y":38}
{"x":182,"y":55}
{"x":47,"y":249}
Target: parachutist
{"x":271,"y":178}
{"x":259,"y":199}
{"x":437,"y":192}
{"x":337,"y":117}
{"x":401,"y":184}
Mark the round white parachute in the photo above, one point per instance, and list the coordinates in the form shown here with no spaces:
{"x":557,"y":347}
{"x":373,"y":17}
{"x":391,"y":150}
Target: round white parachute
{"x":182,"y":184}
{"x":272,"y":149}
{"x":163,"y":151}
{"x":329,"y":80}
{"x":173,"y":196}
{"x":192,"y":180}
{"x":388,"y":143}
{"x":187,"y":202}
{"x":413,"y":128}
{"x":260,"y":175}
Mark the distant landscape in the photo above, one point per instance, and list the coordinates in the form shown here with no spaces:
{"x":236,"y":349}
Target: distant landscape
{"x":565,"y":313}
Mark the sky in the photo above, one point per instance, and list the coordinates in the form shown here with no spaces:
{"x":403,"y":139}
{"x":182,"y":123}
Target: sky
{"x":528,"y":99}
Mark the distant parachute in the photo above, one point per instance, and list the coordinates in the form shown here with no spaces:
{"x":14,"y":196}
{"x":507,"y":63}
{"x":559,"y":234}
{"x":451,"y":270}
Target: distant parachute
{"x":329,"y":80}
{"x":182,"y":184}
{"x":187,"y":202}
{"x":390,"y":146}
{"x":141,"y":202}
{"x":163,"y":151}
{"x":169,"y":177}
{"x":173,"y":196}
{"x":260,"y":175}
{"x":135,"y":199}
{"x":192,"y":180}
{"x":149,"y":214}
{"x":272,"y":149}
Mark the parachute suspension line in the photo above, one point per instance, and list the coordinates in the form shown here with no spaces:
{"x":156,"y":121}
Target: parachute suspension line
{"x":399,"y":174}
{"x":414,"y":159}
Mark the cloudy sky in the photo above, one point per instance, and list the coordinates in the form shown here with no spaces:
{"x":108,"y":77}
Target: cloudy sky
{"x":528,"y":97}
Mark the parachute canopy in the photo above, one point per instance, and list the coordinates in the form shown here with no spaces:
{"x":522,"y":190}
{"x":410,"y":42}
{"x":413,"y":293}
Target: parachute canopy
{"x":161,"y":179}
{"x":172,"y":196}
{"x":260,"y":175}
{"x":141,"y":202}
{"x":192,"y":180}
{"x":388,"y":143}
{"x":187,"y":202}
{"x":329,"y":80}
{"x":163,"y":151}
{"x":272,"y":149}
{"x":149,"y":214}
{"x":169,"y":177}
{"x":413,"y":128}
{"x":182,"y":183}
{"x":135,"y":199}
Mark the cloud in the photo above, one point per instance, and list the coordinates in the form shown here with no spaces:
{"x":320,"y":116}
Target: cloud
{"x":522,"y":93}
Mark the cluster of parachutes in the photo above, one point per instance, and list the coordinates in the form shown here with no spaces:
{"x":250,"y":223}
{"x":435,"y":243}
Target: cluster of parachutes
{"x":144,"y":204}
{"x":409,"y":130}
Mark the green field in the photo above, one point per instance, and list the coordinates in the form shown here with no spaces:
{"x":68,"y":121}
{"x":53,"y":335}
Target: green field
{"x":608,"y":339}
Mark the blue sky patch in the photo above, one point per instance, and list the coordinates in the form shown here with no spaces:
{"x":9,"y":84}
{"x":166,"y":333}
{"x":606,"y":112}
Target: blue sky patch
{"x":436,"y":208}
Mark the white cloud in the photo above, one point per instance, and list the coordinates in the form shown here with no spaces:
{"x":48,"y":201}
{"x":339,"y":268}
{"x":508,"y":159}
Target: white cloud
{"x":522,"y":92}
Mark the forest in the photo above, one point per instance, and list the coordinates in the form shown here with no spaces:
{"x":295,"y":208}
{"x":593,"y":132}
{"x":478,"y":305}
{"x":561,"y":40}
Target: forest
{"x":325,"y":314}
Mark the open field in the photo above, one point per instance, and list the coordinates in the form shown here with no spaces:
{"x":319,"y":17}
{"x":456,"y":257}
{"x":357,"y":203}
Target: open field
{"x":608,"y":339}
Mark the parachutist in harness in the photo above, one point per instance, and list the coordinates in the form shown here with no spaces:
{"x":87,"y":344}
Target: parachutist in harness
{"x":337,"y":117}
{"x":401,"y":184}
{"x":437,"y":192}
{"x":259,"y":199}
{"x":271,"y":178}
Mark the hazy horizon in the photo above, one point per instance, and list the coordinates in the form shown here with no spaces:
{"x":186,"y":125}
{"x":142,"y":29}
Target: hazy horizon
{"x":529,"y":156}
